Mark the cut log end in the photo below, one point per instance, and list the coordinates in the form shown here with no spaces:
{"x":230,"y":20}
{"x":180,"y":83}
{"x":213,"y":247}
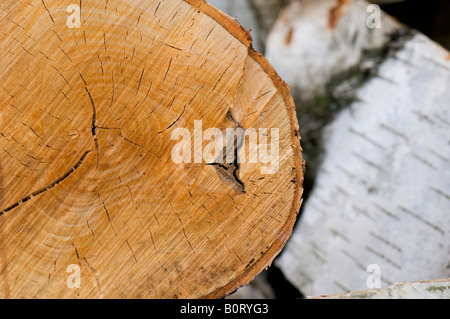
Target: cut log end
{"x":87,"y":174}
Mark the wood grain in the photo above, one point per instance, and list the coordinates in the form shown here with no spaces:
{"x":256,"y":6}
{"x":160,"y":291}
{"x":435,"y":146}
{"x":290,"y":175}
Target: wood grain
{"x":86,"y":175}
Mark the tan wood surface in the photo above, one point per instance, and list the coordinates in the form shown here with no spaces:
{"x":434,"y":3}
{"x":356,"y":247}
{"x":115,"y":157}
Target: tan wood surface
{"x":86,"y":175}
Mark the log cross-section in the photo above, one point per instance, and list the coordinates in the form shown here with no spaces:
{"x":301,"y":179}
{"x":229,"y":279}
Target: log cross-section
{"x":88,"y":181}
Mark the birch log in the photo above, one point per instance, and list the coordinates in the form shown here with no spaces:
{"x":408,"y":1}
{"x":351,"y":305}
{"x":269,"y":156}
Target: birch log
{"x":324,"y":50}
{"x":382,"y":193}
{"x":316,"y":40}
{"x":92,"y":202}
{"x":434,"y":289}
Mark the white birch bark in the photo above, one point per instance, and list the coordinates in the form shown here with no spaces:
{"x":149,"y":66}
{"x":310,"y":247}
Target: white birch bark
{"x":309,"y":44}
{"x":436,"y":289}
{"x":382,"y":194}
